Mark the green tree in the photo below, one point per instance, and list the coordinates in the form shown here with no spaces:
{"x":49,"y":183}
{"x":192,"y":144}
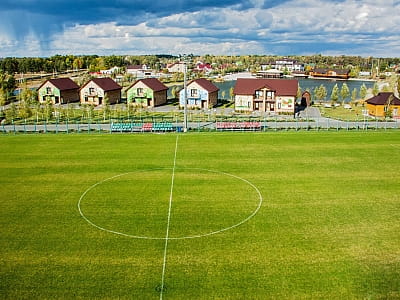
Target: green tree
{"x":223,"y":94}
{"x":375,"y":89}
{"x":344,"y":92}
{"x":387,"y":108}
{"x":106,"y":108}
{"x":25,"y":111}
{"x":29,"y":96}
{"x":231,"y":94}
{"x":320,"y":92}
{"x":3,"y":98}
{"x":11,"y":112}
{"x":315,"y":92}
{"x":174,"y":92}
{"x":335,"y":94}
{"x":363,"y":91}
{"x":398,"y":87}
{"x":7,"y":84}
{"x":299,"y":92}
{"x":48,"y":110}
{"x":354,"y":95}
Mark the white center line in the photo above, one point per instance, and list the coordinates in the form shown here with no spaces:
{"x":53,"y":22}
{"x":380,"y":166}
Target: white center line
{"x":168,"y":222}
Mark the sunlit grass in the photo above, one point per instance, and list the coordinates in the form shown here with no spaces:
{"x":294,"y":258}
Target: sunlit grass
{"x":328,"y":227}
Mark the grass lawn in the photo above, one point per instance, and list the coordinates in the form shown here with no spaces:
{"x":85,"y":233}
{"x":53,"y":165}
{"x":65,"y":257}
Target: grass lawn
{"x":327,"y":225}
{"x":343,"y":114}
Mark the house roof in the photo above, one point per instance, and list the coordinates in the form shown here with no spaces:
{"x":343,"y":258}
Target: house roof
{"x":153,"y":83}
{"x":202,"y":66}
{"x":282,"y":87}
{"x":106,"y":84}
{"x":62,"y":84}
{"x":205,"y":84}
{"x":383,"y":98}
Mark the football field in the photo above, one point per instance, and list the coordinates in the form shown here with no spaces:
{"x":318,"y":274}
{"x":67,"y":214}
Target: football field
{"x":278,"y":215}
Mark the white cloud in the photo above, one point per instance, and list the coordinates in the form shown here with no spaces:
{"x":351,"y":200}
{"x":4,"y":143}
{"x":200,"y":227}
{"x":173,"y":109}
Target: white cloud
{"x":367,"y":27}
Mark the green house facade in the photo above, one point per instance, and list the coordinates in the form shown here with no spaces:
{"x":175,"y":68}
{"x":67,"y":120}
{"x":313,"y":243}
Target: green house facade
{"x":148,"y":92}
{"x":58,"y":91}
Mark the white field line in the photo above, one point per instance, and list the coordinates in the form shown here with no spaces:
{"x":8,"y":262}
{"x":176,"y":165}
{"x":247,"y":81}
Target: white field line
{"x":182,"y":237}
{"x":395,"y":146}
{"x":105,"y":229}
{"x":168,"y":221}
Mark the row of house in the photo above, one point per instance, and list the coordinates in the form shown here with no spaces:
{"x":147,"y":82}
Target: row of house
{"x":266,"y":95}
{"x":250,"y":94}
{"x":147,"y":92}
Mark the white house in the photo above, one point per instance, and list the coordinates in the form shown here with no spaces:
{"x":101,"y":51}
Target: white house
{"x":265,"y":95}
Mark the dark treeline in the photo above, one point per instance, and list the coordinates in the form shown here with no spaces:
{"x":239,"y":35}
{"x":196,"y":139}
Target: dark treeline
{"x":60,"y":63}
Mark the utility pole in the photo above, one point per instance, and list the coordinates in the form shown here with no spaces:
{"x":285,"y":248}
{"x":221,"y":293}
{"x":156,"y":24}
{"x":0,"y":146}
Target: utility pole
{"x":185,"y":125}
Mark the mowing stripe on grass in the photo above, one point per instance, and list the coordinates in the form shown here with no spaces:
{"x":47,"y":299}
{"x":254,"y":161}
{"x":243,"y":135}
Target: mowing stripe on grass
{"x":395,"y":146}
{"x":168,"y":220}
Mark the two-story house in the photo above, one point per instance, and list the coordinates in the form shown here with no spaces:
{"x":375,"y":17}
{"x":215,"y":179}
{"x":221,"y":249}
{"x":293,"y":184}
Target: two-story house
{"x":148,"y":92}
{"x":200,"y":93}
{"x":265,"y":95}
{"x":96,"y":90}
{"x":284,"y":64}
{"x":58,"y":91}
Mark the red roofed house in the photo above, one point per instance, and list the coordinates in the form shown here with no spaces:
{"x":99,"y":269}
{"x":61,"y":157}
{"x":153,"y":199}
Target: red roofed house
{"x":200,"y":93}
{"x":148,"y":92}
{"x":265,"y":95}
{"x":58,"y":91}
{"x":203,"y":67}
{"x":382,"y":104}
{"x":97,"y":89}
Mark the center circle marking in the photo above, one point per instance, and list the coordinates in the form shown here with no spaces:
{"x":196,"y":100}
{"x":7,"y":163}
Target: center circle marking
{"x":251,"y":215}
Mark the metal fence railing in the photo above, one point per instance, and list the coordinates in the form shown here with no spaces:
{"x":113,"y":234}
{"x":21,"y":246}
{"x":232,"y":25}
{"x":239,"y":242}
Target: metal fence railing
{"x":142,"y":126}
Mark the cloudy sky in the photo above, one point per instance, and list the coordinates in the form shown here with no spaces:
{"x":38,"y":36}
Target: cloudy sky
{"x":230,"y":27}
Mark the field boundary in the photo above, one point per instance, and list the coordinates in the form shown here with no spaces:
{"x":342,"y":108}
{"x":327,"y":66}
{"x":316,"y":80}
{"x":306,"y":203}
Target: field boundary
{"x":129,"y":127}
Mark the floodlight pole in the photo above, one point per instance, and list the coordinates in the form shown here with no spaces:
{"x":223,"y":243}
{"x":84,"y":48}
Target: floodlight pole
{"x":185,"y":127}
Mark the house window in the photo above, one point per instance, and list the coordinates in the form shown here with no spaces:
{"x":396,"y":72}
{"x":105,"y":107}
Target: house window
{"x":91,"y":91}
{"x":193,"y":93}
{"x":86,"y":99}
{"x":259,"y":94}
{"x":48,"y":90}
{"x":140,"y":91}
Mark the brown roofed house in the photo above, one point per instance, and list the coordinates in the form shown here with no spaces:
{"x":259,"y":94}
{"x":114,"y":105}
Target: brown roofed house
{"x":384,"y":104}
{"x":265,"y":95}
{"x":331,"y":73}
{"x":96,"y":90}
{"x":148,"y":92}
{"x":200,"y":93}
{"x":58,"y":91}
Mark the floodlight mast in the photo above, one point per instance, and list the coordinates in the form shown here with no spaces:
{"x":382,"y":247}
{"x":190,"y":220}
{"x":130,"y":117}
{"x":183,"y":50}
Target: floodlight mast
{"x":185,"y":125}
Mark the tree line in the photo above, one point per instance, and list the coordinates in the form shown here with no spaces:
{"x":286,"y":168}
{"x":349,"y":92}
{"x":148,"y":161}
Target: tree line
{"x":223,"y":63}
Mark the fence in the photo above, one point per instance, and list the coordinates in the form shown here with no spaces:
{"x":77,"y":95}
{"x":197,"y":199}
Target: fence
{"x":123,"y":126}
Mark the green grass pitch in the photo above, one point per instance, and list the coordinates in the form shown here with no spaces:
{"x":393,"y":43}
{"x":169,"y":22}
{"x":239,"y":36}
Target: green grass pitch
{"x":327,"y":225}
